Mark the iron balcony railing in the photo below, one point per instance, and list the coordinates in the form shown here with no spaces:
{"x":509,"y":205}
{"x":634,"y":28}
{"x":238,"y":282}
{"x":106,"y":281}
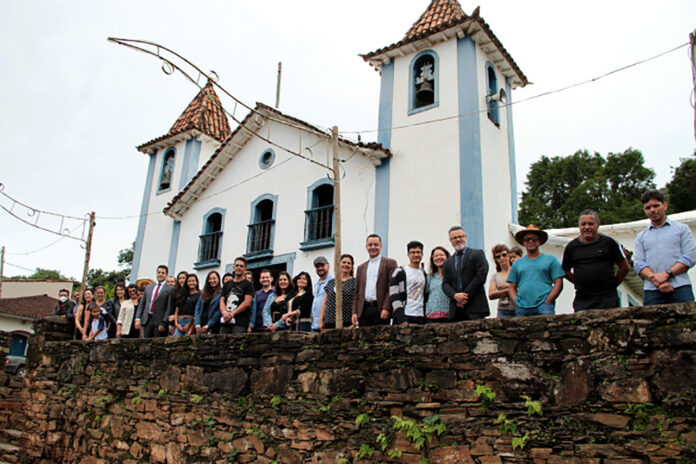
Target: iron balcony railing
{"x":209,"y":247}
{"x":319,"y":223}
{"x":260,"y":236}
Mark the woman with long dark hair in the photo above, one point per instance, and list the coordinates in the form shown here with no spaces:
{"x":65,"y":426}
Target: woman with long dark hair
{"x":437,"y":306}
{"x":113,"y":307}
{"x":327,"y":319}
{"x":82,"y":315}
{"x":299,"y":315}
{"x":207,"y":313}
{"x":185,"y":312}
{"x":284,"y":291}
{"x":178,"y":297}
{"x":124,"y":324}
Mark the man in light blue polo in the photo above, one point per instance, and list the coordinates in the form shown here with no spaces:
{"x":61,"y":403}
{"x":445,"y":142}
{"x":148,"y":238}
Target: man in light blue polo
{"x":664,"y":253}
{"x":321,"y":266}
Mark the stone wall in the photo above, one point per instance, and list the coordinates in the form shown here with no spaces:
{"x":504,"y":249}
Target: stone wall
{"x":13,"y":397}
{"x":599,"y":387}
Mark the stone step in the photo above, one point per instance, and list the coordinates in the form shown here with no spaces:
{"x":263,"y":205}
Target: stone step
{"x":11,"y":433}
{"x":6,"y":447}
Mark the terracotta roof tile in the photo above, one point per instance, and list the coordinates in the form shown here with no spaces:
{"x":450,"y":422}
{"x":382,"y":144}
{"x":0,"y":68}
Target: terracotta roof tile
{"x":28,"y":306}
{"x":204,"y":114}
{"x":438,"y":13}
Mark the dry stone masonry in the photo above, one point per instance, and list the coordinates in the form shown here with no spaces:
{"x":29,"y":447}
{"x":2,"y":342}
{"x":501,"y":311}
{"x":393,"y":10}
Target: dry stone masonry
{"x":601,"y":387}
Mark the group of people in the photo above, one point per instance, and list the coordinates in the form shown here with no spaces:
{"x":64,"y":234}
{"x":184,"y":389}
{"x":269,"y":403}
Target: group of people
{"x":380,"y":292}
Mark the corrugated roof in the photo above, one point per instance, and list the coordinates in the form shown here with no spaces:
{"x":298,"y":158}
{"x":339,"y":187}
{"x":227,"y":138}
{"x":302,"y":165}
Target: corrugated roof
{"x":203,"y":114}
{"x":33,"y":307}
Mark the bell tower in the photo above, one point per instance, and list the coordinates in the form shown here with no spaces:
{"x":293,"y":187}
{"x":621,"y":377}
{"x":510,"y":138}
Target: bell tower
{"x":443,"y":116}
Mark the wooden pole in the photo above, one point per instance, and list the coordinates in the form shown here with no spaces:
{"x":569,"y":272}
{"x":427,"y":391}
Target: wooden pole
{"x":2,"y":267}
{"x":280,"y":70}
{"x":88,"y":252}
{"x":692,"y":38}
{"x":337,"y":230}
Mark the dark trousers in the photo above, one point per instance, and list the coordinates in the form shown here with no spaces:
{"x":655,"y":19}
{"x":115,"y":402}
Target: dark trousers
{"x":226,"y":329}
{"x":683,"y":294}
{"x":371,"y":315}
{"x":461,"y":315}
{"x":151,"y":330}
{"x":596,"y":302}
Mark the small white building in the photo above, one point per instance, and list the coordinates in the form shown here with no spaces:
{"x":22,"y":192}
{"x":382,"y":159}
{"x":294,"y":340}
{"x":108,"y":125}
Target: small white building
{"x":233,"y":193}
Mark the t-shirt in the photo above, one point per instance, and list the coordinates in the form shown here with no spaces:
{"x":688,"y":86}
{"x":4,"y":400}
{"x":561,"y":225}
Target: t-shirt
{"x":593,"y":265}
{"x":261,"y":298}
{"x":534,"y":278}
{"x":99,"y":324}
{"x":234,"y":293}
{"x":415,"y":291}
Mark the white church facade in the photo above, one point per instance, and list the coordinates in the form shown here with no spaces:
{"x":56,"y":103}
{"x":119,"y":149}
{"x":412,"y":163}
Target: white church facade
{"x":445,"y":155}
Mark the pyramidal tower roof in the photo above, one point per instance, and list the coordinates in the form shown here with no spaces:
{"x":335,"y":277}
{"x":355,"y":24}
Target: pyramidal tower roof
{"x":438,"y":13}
{"x":204,"y":115}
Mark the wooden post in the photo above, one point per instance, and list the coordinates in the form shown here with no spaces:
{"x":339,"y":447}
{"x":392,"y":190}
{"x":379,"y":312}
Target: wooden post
{"x":692,"y":38}
{"x":2,"y":267}
{"x":337,"y":230}
{"x":88,"y":252}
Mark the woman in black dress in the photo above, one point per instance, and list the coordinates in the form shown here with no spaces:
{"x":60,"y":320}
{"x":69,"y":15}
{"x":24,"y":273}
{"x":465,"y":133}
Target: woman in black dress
{"x":284,"y":291}
{"x":299,"y":316}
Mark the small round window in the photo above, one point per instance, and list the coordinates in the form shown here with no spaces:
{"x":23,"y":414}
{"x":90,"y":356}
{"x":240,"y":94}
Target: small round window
{"x":266,"y":159}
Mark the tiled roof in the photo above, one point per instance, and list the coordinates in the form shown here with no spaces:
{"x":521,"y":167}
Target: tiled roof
{"x":441,"y":20}
{"x":438,"y":13}
{"x":212,"y":168}
{"x":203,"y":114}
{"x":28,"y":306}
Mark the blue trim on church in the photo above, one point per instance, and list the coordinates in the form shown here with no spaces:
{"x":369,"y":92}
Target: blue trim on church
{"x":174,"y":246}
{"x":144,"y":208}
{"x":511,"y":153}
{"x":189,"y":167}
{"x":386,"y":97}
{"x":470,"y":170}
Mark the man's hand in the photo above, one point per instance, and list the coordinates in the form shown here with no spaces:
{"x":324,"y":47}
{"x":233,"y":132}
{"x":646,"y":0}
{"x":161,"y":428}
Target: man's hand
{"x":666,"y":287}
{"x":354,"y":319}
{"x":659,"y":278}
{"x":161,"y":328}
{"x":461,"y":298}
{"x":249,"y":329}
{"x":321,"y":326}
{"x":137,"y":324}
{"x":384,"y":315}
{"x":227,"y":316}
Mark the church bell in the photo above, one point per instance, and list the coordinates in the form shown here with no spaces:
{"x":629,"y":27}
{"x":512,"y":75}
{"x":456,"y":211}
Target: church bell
{"x":425,"y":92}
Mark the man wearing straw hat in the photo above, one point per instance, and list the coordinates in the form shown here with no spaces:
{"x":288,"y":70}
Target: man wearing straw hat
{"x":535,"y":280}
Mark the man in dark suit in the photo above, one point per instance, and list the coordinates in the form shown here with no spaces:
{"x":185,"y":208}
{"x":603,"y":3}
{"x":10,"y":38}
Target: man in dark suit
{"x":463,"y":278}
{"x":371,"y":305}
{"x":154,"y":307}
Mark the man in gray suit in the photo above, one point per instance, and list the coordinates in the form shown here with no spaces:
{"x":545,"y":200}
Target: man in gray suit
{"x":154,"y":307}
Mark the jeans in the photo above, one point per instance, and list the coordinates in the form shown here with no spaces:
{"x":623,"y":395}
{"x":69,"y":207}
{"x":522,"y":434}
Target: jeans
{"x":683,"y":294}
{"x":542,"y":310}
{"x":183,"y":322}
{"x":597,"y":302}
{"x":506,"y":313}
{"x":226,"y":329}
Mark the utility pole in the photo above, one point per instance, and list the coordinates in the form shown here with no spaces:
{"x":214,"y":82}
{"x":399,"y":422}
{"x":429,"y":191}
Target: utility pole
{"x":88,"y":252}
{"x":692,"y":38}
{"x":337,"y":230}
{"x":280,"y":70}
{"x":2,"y":266}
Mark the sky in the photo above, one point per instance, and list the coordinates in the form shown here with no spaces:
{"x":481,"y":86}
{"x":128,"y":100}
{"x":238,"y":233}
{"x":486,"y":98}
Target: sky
{"x":74,"y":105}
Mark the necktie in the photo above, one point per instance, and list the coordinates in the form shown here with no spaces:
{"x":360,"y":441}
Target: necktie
{"x":154,"y":298}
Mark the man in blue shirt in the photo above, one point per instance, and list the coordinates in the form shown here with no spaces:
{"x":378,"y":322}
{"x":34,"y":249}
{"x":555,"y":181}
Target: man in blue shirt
{"x":535,"y":280}
{"x":321,"y":266}
{"x":664,"y":253}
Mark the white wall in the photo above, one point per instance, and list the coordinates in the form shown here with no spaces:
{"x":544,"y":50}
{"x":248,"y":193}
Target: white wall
{"x":11,"y":324}
{"x":19,"y":288}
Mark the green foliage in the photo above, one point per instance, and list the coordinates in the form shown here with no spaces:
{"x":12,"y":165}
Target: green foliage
{"x":506,"y":426}
{"x":520,"y":442}
{"x":533,"y":407}
{"x":125,"y":258}
{"x":325,"y":409}
{"x":423,"y":461}
{"x":276,"y":400}
{"x":681,"y":190}
{"x":195,"y":398}
{"x":258,"y":433}
{"x":364,"y":451}
{"x":137,"y":400}
{"x":363,"y":418}
{"x":161,"y":393}
{"x":558,"y":188}
{"x":420,"y":434}
{"x":382,"y":441}
{"x":641,"y":413}
{"x":395,"y":453}
{"x":486,"y":396}
{"x":41,"y":274}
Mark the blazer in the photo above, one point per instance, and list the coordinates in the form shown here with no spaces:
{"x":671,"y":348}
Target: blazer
{"x":470,"y":278}
{"x":162,"y":307}
{"x":386,"y":269}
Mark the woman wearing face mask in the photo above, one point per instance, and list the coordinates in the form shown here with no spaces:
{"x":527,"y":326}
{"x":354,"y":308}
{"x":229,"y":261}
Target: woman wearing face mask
{"x":437,"y":305}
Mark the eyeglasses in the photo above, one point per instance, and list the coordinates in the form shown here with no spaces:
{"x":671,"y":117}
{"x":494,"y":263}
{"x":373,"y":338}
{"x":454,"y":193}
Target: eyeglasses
{"x":531,"y":239}
{"x":501,"y":255}
{"x":415,"y":252}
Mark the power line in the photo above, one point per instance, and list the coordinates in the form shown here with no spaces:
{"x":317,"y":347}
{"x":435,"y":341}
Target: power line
{"x":44,"y":247}
{"x":543,"y":94}
{"x":19,"y":267}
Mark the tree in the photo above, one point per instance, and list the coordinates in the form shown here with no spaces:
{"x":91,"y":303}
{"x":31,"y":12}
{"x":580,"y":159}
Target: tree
{"x":559,"y":188}
{"x":42,"y":274}
{"x":125,"y":258}
{"x":681,"y":190}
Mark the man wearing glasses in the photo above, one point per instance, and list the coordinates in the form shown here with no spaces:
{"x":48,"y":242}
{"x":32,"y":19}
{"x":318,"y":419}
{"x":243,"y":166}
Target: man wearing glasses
{"x":535,"y":280}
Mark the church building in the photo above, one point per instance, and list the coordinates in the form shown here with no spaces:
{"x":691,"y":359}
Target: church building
{"x":444,"y":155}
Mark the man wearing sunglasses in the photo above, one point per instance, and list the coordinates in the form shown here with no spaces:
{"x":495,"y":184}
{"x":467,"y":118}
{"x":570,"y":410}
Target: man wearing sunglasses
{"x":535,"y":280}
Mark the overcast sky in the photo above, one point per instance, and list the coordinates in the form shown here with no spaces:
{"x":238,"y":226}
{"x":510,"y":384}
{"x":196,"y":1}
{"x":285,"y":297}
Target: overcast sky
{"x":74,"y":106}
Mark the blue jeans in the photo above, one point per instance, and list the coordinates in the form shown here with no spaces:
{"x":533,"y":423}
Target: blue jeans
{"x":683,"y":294}
{"x":183,"y":322}
{"x":543,"y":309}
{"x":506,"y":313}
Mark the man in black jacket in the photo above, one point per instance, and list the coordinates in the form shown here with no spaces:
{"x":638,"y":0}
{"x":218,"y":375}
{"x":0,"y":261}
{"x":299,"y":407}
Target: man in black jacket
{"x":463,"y":278}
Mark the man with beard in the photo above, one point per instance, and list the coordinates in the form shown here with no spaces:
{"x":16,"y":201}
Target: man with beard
{"x":235,"y":302}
